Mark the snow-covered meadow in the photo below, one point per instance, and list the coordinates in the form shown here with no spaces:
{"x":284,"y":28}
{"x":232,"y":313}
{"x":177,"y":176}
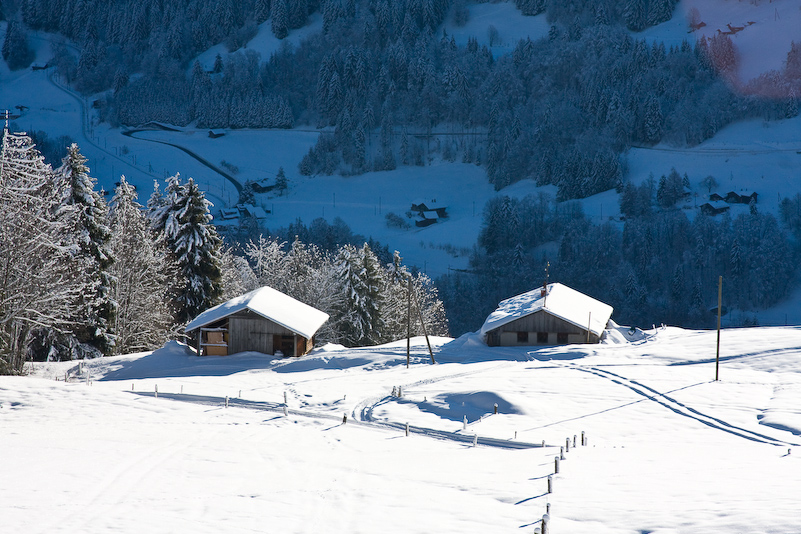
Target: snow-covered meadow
{"x":668,"y":448}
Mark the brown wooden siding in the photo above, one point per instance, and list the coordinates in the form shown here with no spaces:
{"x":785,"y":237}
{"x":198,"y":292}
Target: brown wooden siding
{"x":248,"y":331}
{"x":253,"y":334}
{"x":540,"y":321}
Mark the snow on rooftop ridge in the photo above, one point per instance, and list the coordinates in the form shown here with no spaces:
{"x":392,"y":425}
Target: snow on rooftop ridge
{"x":270,"y":304}
{"x":561,"y":301}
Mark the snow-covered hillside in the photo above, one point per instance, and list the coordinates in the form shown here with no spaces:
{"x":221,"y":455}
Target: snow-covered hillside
{"x":668,"y":448}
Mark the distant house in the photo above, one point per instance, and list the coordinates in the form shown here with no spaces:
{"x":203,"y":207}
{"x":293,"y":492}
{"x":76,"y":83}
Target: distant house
{"x":249,"y":210}
{"x":227,"y":214}
{"x":429,"y":217}
{"x":714,"y":197}
{"x":264,"y":320}
{"x":428,"y":213}
{"x":551,"y":315}
{"x":743,"y":197}
{"x":714,"y":208}
{"x":421,"y":207}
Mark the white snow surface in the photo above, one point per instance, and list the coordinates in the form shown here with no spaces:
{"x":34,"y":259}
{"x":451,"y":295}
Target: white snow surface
{"x":271,"y":304}
{"x":669,"y":449}
{"x":560,"y":300}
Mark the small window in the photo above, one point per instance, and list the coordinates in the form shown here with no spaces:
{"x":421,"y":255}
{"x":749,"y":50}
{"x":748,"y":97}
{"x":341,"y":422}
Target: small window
{"x":542,"y":337}
{"x":522,"y":337}
{"x":561,"y":338}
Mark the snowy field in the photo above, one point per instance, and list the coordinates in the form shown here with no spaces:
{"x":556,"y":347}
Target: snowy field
{"x":669,"y":450}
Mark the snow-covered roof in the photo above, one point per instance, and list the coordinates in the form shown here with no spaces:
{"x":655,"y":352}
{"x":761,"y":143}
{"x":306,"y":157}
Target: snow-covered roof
{"x":255,"y":211}
{"x":270,"y":304}
{"x":561,"y":301}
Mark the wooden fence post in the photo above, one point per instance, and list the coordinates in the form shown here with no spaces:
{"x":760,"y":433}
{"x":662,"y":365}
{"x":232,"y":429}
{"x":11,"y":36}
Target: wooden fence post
{"x":556,"y":465}
{"x":545,"y":520}
{"x":496,"y":407}
{"x":582,"y":438}
{"x":407,"y":429}
{"x":550,"y":484}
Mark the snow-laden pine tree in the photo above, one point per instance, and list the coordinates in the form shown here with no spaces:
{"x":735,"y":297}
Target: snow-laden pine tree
{"x":195,"y":244}
{"x":38,"y":289}
{"x":161,"y":205}
{"x":144,"y":274}
{"x":92,"y":256}
{"x":361,"y":281}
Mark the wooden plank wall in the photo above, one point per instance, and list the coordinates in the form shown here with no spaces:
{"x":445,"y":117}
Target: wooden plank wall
{"x":542,"y":322}
{"x":539,"y":322}
{"x":256,"y":334}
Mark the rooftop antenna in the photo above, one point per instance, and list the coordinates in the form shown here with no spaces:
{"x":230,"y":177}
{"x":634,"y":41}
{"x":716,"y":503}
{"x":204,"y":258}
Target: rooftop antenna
{"x":545,"y":285}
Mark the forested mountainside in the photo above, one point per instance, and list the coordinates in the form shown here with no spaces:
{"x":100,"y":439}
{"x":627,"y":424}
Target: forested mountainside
{"x":389,"y":87}
{"x":385,"y":77}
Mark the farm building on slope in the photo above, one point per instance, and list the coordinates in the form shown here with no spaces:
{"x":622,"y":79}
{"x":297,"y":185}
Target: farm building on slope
{"x":551,"y":315}
{"x":264,"y":320}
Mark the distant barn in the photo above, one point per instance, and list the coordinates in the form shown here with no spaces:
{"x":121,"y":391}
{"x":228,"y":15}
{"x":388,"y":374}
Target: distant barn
{"x":264,"y":320}
{"x":551,"y":315}
{"x":714,"y":208}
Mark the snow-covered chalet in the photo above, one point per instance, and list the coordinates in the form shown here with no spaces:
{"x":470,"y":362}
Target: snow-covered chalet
{"x":550,"y":315}
{"x":264,"y":320}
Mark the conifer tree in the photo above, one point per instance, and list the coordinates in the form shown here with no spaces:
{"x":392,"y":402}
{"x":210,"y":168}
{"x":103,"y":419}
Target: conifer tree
{"x":281,"y":183}
{"x":360,"y":280}
{"x":144,"y":274}
{"x":92,"y":256}
{"x":280,"y":23}
{"x":196,"y":247}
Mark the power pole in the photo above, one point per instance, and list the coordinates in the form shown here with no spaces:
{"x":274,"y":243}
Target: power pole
{"x":408,"y":321}
{"x":422,"y":322}
{"x":717,"y":355}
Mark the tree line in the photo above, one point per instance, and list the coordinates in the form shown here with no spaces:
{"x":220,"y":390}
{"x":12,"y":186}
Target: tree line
{"x":82,"y":278}
{"x":657,"y":266}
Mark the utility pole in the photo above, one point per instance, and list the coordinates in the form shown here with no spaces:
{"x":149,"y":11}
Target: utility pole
{"x":422,"y":322}
{"x":717,"y":355}
{"x":408,"y":321}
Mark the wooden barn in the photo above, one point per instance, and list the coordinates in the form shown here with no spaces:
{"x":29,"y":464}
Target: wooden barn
{"x":551,"y":315}
{"x":264,"y":320}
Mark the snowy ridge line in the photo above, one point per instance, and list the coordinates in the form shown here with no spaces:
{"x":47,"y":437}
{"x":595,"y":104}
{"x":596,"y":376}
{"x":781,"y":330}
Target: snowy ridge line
{"x":277,"y":407}
{"x":684,"y":410}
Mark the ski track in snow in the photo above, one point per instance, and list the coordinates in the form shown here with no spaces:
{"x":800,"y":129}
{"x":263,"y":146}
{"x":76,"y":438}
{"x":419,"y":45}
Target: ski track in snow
{"x":679,"y":407}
